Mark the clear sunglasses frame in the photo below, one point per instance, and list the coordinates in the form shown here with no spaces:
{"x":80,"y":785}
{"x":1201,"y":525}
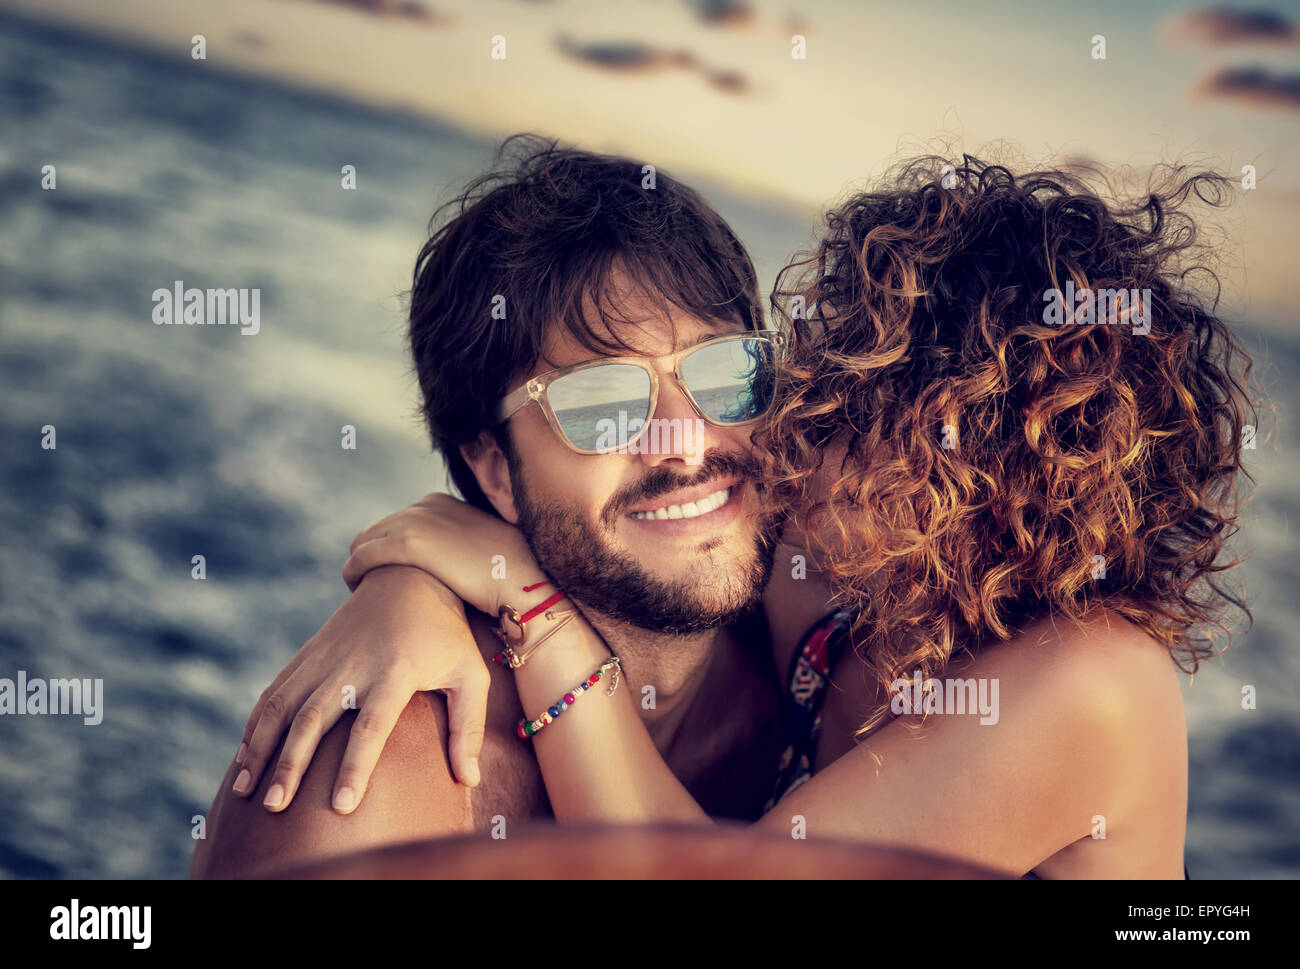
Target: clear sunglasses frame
{"x":535,"y":389}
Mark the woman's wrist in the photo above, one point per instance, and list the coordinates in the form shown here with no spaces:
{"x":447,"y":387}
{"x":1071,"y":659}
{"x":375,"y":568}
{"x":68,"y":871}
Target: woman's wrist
{"x":523,"y":631}
{"x":462,"y":548}
{"x":569,"y":656}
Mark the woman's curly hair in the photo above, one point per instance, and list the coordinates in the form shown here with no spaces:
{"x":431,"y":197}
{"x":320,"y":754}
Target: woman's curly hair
{"x":1000,"y":468}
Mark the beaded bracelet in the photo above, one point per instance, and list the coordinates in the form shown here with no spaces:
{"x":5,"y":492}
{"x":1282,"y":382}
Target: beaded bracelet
{"x":527,"y":728}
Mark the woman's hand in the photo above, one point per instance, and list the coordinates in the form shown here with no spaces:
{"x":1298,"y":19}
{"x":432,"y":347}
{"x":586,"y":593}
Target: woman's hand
{"x":401,"y":632}
{"x":468,"y":550}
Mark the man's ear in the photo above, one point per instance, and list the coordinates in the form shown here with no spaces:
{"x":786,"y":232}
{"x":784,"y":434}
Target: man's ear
{"x":490,"y":466}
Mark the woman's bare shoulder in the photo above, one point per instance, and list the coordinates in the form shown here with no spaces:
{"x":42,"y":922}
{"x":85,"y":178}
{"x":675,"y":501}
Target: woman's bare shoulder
{"x":1036,"y":736}
{"x":1123,"y":695}
{"x":1104,"y":678}
{"x":1111,"y":657}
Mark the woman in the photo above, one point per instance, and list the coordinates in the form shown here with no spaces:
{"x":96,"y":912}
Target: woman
{"x":1008,"y":440}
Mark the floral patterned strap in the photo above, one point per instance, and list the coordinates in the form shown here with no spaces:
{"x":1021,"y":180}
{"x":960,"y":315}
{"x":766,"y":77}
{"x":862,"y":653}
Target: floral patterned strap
{"x":810,"y":672}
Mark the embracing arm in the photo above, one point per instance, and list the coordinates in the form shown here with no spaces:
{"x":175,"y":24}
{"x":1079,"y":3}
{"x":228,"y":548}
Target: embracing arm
{"x":597,"y":757}
{"x":633,"y":785}
{"x":1006,"y":794}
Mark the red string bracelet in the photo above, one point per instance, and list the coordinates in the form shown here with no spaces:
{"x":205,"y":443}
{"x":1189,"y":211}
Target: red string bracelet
{"x":512,"y":626}
{"x":543,"y":605}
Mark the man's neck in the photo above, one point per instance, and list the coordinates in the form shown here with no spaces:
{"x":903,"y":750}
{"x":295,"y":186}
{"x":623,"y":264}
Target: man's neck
{"x":715,"y":711}
{"x":794,"y":600}
{"x":674,"y":667}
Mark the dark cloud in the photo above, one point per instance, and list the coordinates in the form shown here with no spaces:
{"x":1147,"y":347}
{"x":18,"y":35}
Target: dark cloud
{"x":630,"y":56}
{"x":404,"y":9}
{"x":634,"y":57}
{"x":733,"y":82}
{"x":736,"y":14}
{"x":1253,"y":85}
{"x":723,"y":13}
{"x":1223,"y":26}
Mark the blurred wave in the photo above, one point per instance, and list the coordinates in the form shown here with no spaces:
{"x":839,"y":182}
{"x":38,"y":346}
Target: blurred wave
{"x":177,"y":441}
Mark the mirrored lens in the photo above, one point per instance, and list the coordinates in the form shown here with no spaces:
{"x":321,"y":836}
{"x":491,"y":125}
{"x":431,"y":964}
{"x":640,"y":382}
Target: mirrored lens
{"x":601,"y":408}
{"x":732,"y":380}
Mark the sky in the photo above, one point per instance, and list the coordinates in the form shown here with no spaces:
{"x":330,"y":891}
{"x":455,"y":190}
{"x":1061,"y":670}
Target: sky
{"x":710,"y":88}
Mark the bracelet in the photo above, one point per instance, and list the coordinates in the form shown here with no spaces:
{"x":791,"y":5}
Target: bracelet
{"x":508,"y":656}
{"x":527,"y":728}
{"x":511,"y":631}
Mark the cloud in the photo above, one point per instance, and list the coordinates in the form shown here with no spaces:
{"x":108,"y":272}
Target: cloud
{"x":723,"y":13}
{"x":634,"y":57}
{"x":741,"y":14}
{"x":1224,"y":26}
{"x":1253,"y":85}
{"x":629,"y":56}
{"x":733,"y":82}
{"x":405,"y":9}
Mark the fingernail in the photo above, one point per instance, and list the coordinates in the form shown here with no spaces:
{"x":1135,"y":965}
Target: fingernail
{"x":243,"y":749}
{"x":472,"y":773}
{"x":345,"y":800}
{"x":274,"y":796}
{"x":242,"y":781}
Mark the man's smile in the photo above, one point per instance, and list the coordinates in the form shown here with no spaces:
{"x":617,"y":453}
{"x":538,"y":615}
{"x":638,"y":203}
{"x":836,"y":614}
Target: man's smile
{"x":691,"y":511}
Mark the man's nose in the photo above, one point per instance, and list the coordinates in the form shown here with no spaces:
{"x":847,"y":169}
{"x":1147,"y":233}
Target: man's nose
{"x":677,"y":432}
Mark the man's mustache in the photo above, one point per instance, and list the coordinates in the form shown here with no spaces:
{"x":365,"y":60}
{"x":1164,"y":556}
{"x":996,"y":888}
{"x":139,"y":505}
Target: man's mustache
{"x":661,"y":481}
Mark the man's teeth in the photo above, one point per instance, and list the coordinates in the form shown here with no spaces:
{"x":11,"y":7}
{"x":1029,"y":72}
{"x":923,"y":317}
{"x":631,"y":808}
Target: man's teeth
{"x":692,"y":509}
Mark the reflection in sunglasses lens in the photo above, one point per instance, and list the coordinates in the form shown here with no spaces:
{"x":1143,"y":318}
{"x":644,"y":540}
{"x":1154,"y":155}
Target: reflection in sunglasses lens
{"x":586,"y":401}
{"x":733,"y":380}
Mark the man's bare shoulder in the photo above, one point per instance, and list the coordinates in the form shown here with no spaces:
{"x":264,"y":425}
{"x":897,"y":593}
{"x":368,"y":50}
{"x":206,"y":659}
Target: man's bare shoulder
{"x":512,"y":784}
{"x":412,"y":793}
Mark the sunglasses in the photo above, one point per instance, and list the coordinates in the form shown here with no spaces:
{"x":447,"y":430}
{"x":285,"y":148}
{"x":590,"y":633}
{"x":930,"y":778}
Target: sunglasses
{"x":730,"y":381}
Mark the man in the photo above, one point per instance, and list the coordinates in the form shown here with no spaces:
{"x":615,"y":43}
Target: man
{"x":560,"y":258}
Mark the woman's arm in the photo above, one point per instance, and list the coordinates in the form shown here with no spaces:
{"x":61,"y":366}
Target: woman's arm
{"x":1006,"y":793}
{"x":596,"y":757}
{"x":400,"y":633}
{"x":609,"y":769}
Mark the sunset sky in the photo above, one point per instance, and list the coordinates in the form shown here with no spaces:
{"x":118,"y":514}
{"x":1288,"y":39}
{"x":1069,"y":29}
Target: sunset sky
{"x":720,"y":97}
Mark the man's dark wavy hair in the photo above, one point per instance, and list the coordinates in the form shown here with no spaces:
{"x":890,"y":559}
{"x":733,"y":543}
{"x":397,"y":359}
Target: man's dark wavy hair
{"x":547,"y":228}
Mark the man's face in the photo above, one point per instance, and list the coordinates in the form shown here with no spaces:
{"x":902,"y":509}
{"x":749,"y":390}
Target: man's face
{"x":585,"y":516}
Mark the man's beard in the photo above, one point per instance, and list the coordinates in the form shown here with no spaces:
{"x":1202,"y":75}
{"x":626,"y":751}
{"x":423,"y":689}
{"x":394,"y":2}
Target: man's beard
{"x":577,"y":556}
